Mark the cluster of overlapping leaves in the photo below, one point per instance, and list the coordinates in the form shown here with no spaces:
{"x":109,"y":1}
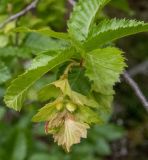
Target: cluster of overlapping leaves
{"x":83,"y":92}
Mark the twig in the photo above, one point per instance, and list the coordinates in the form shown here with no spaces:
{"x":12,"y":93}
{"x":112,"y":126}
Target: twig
{"x":19,"y":14}
{"x":139,"y":69}
{"x":72,"y":2}
{"x":136,"y":89}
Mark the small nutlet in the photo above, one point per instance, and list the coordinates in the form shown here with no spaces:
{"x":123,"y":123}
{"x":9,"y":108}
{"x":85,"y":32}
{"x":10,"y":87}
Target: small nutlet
{"x":71,"y":107}
{"x":59,"y":106}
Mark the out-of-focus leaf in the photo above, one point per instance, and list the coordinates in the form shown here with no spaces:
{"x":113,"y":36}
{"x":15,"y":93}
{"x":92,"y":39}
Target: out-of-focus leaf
{"x":42,"y":156}
{"x":103,"y":147}
{"x":122,"y":5}
{"x":45,"y":31}
{"x":2,"y":112}
{"x":22,"y":52}
{"x":115,"y":132}
{"x":4,"y":73}
{"x":20,"y":148}
{"x":3,"y":40}
{"x":37,"y":43}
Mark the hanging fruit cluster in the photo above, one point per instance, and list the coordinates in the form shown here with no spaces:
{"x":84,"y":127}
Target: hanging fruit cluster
{"x":68,"y":116}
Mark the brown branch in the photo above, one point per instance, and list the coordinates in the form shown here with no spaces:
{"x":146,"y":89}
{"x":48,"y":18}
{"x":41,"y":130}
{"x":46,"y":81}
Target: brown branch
{"x":19,"y":14}
{"x":139,"y":69}
{"x":72,"y":2}
{"x":136,"y":90}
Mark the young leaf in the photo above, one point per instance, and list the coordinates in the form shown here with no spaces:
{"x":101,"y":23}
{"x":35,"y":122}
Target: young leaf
{"x":16,"y":93}
{"x":110,"y":30}
{"x":82,"y":17}
{"x":103,"y":67}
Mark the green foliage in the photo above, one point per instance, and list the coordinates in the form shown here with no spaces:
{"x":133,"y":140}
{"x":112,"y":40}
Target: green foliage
{"x":71,"y":106}
{"x":16,"y":95}
{"x":4,"y":73}
{"x":103,"y":67}
{"x":44,"y":31}
{"x":110,"y":30}
{"x":39,"y":43}
{"x":83,"y":16}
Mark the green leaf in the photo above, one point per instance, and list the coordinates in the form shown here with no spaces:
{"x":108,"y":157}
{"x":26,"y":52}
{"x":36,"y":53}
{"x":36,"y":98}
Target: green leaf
{"x":4,"y":73}
{"x":104,"y":102}
{"x":103,"y":67}
{"x":42,"y":59}
{"x":110,"y":30}
{"x":16,"y":93}
{"x":20,"y":148}
{"x":44,"y":31}
{"x":76,"y":77}
{"x":82,"y":17}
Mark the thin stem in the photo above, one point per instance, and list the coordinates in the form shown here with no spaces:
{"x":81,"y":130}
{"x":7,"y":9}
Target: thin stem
{"x":68,"y":68}
{"x":72,"y":2}
{"x":20,"y":14}
{"x":136,"y":90}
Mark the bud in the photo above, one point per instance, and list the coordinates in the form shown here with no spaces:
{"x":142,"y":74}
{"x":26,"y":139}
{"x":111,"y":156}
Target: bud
{"x":59,"y":106}
{"x":71,"y":107}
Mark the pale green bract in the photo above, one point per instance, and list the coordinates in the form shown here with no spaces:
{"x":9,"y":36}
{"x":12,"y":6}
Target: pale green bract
{"x":16,"y":92}
{"x":45,"y":112}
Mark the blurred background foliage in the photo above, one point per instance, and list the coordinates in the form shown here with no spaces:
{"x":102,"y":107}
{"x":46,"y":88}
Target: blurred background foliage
{"x":124,"y":137}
